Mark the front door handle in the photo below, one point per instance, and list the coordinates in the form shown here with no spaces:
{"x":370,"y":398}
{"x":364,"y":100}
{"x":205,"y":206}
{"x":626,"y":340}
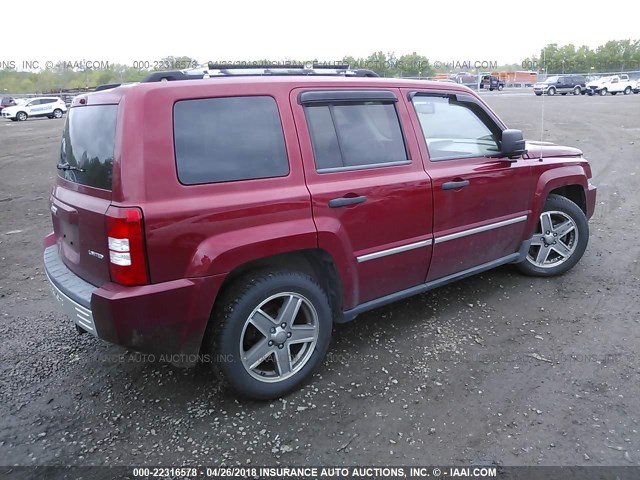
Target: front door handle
{"x":455,"y":185}
{"x":346,"y":201}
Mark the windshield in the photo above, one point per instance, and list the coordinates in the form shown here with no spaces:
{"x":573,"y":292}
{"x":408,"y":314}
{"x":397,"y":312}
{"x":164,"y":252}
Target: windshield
{"x":551,"y":79}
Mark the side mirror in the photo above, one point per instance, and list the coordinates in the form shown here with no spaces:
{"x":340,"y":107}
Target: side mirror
{"x":513,"y":144}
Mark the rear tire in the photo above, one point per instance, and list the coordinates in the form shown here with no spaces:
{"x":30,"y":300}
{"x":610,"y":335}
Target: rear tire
{"x":560,"y":239}
{"x":261,"y":348}
{"x":603,"y":92}
{"x":627,"y":90}
{"x":500,"y":87}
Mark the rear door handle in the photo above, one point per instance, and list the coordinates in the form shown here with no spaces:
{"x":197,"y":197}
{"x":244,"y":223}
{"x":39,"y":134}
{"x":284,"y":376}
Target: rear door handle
{"x":346,"y":201}
{"x":455,"y":185}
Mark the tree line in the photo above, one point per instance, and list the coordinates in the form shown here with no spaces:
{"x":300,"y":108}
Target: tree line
{"x":615,"y":55}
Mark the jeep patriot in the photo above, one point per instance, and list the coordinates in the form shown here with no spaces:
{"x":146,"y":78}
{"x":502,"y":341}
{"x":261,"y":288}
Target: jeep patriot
{"x":242,"y":213}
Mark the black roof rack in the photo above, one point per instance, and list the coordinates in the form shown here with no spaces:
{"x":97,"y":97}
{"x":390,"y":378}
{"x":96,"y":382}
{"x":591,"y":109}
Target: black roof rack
{"x":301,"y":66}
{"x":281,"y":69}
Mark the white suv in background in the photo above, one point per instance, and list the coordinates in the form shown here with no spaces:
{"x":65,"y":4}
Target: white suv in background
{"x":52,"y":107}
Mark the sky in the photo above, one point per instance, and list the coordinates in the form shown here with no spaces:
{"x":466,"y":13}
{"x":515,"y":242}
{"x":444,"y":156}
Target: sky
{"x":451,"y":31}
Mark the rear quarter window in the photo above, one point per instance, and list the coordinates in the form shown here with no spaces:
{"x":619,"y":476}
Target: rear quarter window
{"x":228,"y":139}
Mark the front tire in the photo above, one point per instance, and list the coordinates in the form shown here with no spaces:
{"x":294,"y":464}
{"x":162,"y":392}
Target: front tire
{"x":603,"y":92}
{"x":577,"y":91}
{"x":270,"y":332}
{"x":57,"y":113}
{"x":21,"y":116}
{"x":551,"y":92}
{"x":559,"y":241}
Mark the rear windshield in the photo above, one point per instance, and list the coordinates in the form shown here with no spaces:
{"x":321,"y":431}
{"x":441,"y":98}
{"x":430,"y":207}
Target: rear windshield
{"x":87,"y":143}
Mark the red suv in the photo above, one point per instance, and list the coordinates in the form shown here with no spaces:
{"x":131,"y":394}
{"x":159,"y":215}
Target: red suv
{"x":234,"y":218}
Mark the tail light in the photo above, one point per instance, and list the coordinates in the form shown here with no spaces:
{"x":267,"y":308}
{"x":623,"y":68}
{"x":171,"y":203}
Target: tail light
{"x":127,"y":257}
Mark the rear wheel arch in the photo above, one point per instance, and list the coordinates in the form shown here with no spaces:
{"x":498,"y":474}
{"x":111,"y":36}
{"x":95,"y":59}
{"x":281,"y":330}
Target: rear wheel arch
{"x":316,"y":263}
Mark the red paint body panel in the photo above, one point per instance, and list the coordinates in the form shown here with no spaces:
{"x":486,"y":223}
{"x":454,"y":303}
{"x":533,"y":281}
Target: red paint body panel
{"x":79,"y":224}
{"x":547,"y":149}
{"x":166,"y":317}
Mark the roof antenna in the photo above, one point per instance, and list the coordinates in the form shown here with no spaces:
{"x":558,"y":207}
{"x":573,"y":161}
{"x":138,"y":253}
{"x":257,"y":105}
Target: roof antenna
{"x":544,"y":67}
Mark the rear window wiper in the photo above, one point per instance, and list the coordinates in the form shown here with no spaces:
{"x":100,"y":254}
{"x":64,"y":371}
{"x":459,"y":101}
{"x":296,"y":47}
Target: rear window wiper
{"x":66,"y":166}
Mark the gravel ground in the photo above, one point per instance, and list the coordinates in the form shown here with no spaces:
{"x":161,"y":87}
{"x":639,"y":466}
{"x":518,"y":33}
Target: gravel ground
{"x":495,"y":369}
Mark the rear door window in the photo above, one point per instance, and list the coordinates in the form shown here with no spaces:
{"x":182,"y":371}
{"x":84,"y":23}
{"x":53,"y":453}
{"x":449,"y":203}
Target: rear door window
{"x":228,"y":139}
{"x":86,"y":152}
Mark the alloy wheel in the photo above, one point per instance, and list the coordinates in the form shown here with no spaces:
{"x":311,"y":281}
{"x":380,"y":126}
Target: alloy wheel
{"x":279,"y":337}
{"x":555,"y":240}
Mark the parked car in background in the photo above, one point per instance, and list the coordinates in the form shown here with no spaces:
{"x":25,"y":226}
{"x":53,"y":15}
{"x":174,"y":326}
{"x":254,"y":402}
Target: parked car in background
{"x":241,"y":216}
{"x":465,"y":78}
{"x":6,"y":102}
{"x":636,"y":89}
{"x":51,"y":107}
{"x":561,"y":84}
{"x":491,"y":83}
{"x":593,"y":85}
{"x":613,"y":84}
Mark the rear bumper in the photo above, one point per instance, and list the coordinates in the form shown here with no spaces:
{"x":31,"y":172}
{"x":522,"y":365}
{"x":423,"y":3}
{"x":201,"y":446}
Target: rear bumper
{"x":165,"y":318}
{"x":73,"y":293}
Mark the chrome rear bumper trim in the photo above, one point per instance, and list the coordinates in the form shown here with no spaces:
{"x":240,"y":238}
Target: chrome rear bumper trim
{"x":81,"y":316}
